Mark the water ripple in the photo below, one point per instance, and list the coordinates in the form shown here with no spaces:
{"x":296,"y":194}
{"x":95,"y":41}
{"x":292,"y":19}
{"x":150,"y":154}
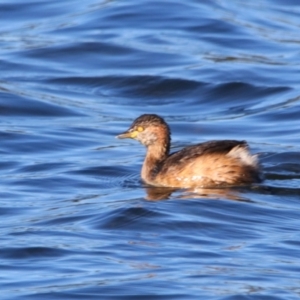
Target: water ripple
{"x":76,"y":220}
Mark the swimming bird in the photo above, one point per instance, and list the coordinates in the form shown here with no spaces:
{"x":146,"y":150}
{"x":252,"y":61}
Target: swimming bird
{"x":216,"y":163}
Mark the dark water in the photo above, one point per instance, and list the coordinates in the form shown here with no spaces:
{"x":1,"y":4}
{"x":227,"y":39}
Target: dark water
{"x":76,"y":222}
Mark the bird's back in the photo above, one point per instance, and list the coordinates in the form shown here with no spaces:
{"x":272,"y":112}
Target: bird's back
{"x":213,"y":163}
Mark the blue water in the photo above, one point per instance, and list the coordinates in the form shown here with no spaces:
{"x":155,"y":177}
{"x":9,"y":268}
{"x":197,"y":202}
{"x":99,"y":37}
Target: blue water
{"x":76,"y":221}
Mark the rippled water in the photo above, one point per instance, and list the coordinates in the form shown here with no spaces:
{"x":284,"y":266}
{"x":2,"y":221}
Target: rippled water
{"x":76,"y":221}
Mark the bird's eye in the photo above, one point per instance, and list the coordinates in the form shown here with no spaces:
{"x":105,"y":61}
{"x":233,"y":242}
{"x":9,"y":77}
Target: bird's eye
{"x":140,"y":129}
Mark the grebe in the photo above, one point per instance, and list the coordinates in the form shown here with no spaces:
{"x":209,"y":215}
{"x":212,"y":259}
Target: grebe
{"x":216,"y":163}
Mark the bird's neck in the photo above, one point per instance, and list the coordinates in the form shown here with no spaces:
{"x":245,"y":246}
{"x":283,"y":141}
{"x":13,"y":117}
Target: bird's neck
{"x":155,"y":156}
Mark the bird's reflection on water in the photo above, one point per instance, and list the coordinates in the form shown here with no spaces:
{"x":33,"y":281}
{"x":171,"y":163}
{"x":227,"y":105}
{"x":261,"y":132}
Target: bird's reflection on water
{"x":164,"y":193}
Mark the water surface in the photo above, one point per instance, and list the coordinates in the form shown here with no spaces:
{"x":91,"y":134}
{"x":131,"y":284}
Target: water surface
{"x":76,"y":221}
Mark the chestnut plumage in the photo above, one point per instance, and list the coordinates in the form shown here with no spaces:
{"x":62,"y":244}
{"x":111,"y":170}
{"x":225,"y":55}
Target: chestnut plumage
{"x":216,"y":163}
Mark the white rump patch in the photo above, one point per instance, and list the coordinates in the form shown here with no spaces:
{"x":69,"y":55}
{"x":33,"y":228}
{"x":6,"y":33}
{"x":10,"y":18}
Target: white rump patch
{"x":244,"y":155}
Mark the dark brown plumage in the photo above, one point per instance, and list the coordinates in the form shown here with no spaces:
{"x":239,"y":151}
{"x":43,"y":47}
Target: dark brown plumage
{"x":209,"y":164}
